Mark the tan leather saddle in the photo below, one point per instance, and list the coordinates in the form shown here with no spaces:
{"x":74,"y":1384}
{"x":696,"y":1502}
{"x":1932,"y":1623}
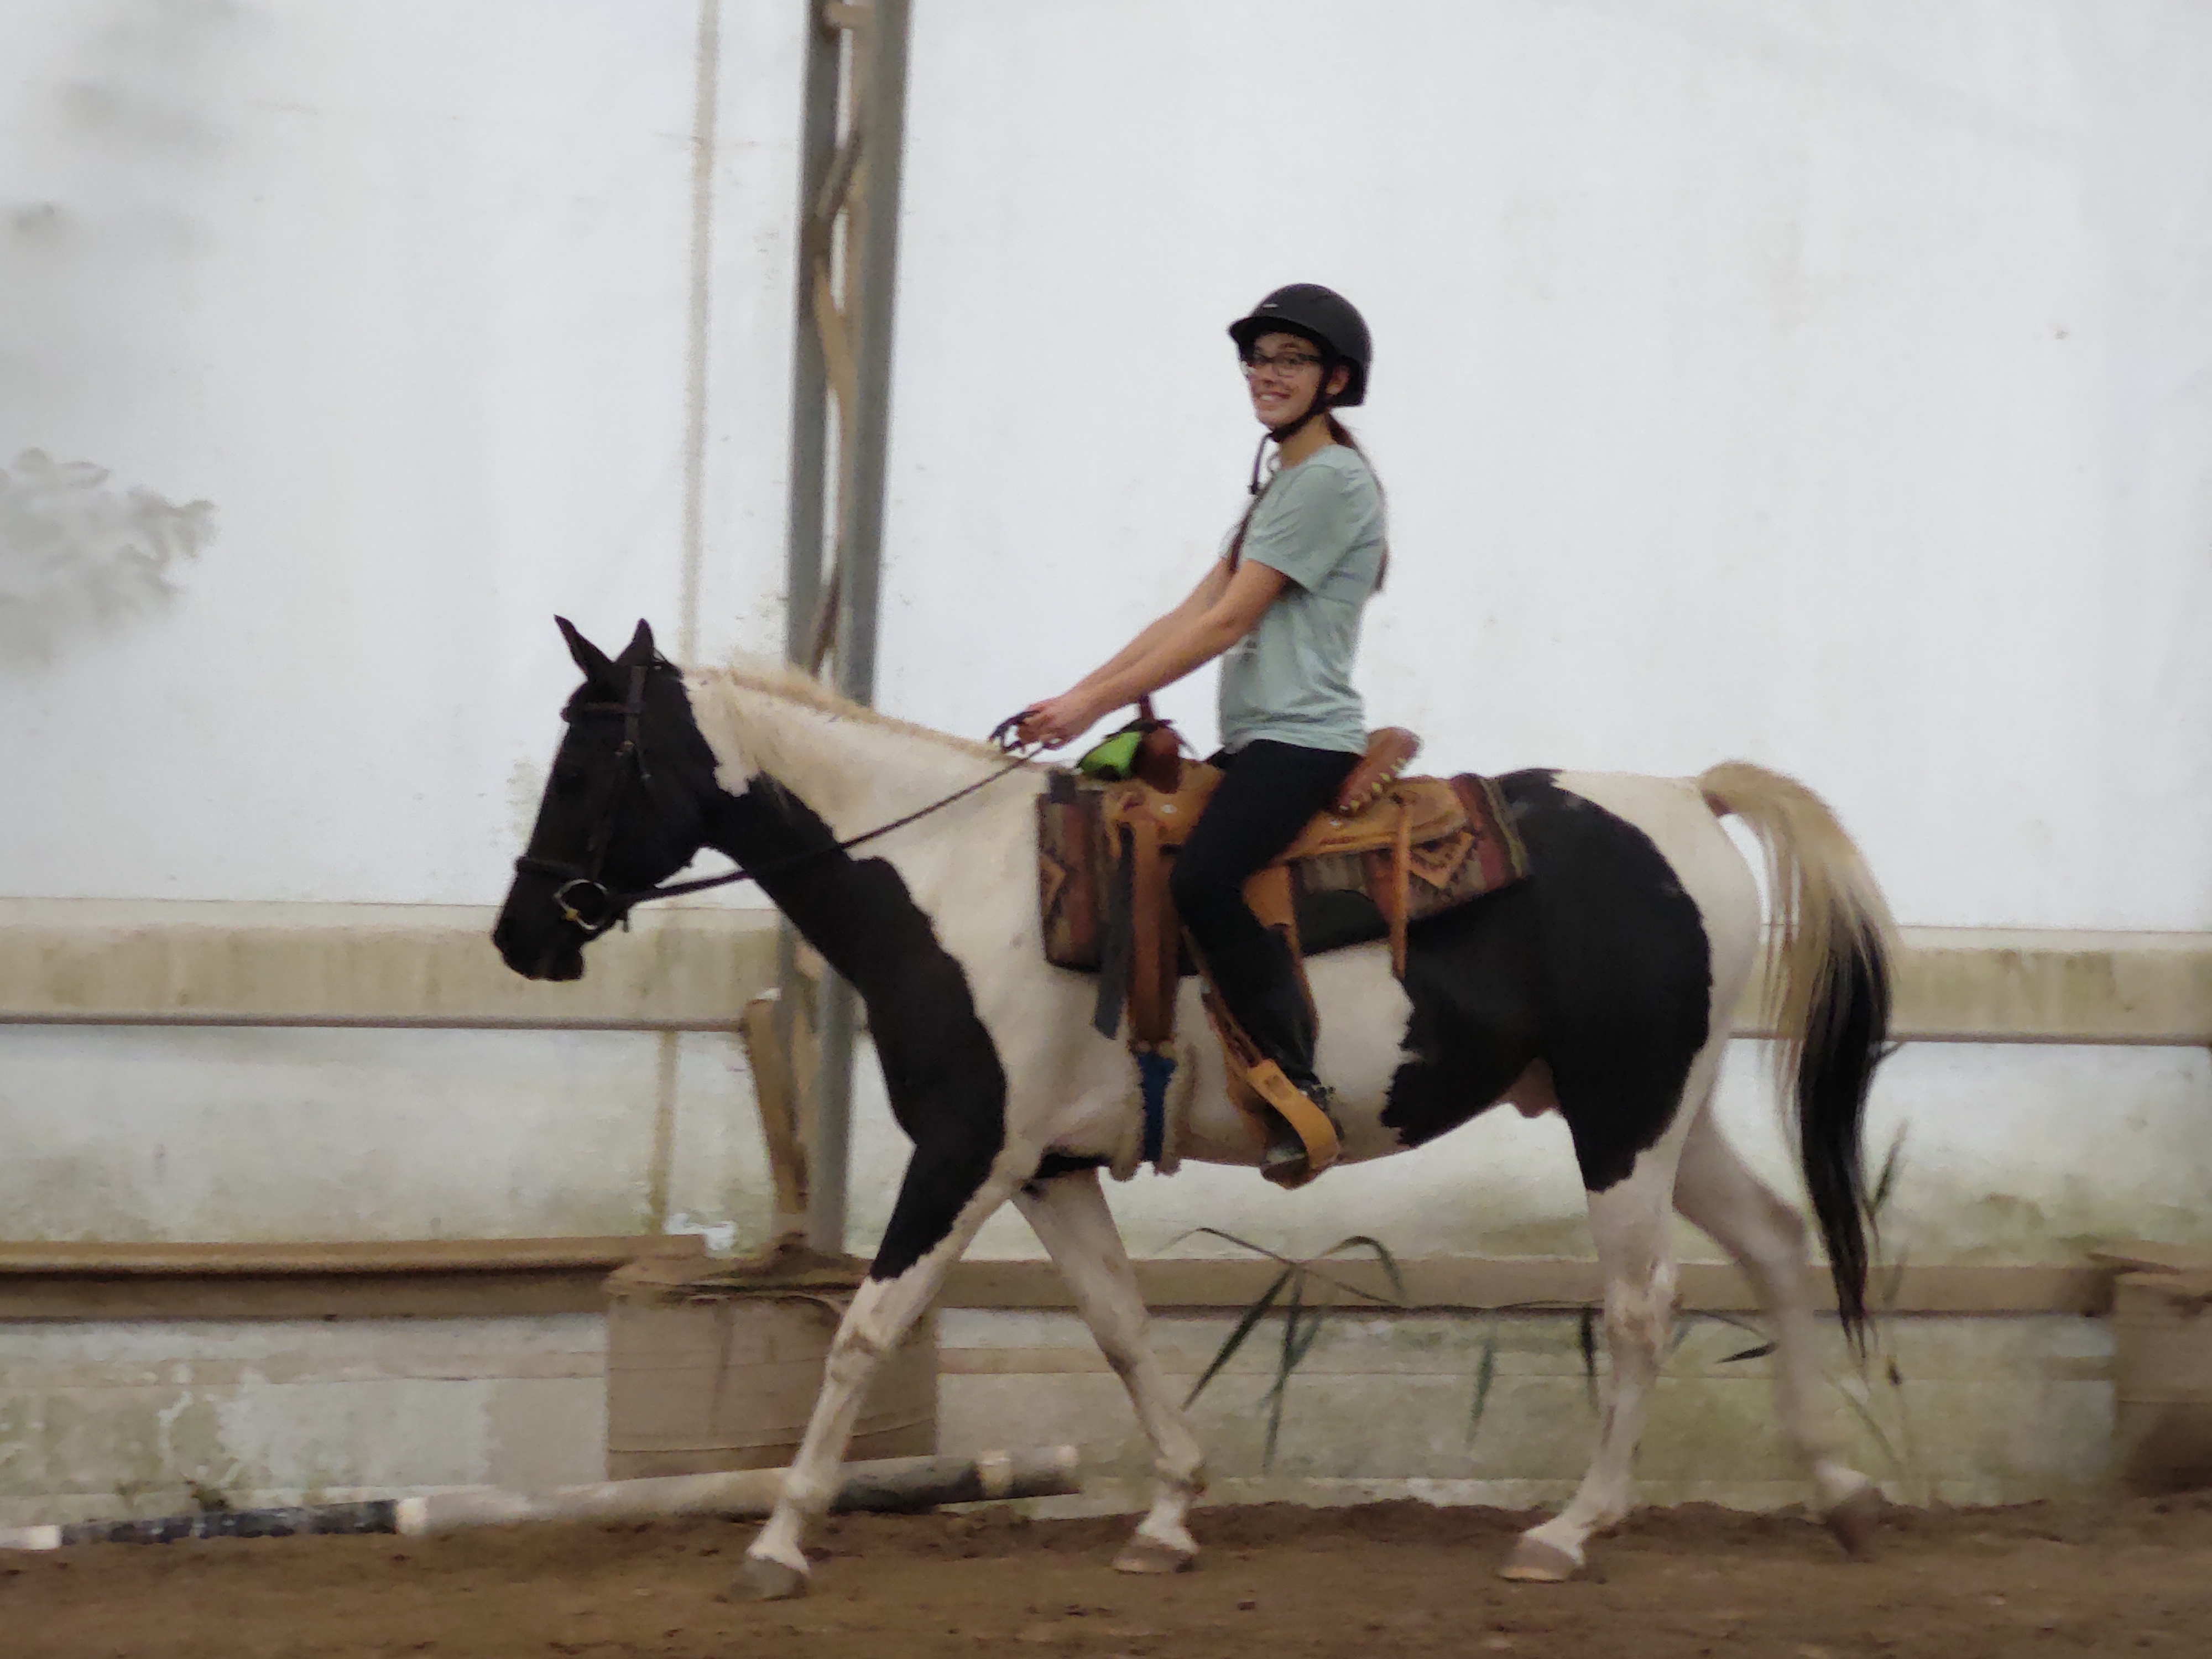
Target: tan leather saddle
{"x":1405,"y":847}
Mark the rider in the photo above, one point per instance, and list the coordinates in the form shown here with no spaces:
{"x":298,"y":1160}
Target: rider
{"x":1284,"y":602}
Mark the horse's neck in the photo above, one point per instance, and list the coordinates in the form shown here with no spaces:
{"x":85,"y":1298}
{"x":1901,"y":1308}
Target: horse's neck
{"x":968,"y":864}
{"x":855,"y":773}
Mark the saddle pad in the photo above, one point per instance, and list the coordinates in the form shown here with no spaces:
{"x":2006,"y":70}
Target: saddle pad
{"x":1461,"y":843}
{"x":1482,"y":854}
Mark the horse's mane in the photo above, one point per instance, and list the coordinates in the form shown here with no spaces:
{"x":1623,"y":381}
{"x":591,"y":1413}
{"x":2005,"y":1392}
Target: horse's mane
{"x":791,"y":684}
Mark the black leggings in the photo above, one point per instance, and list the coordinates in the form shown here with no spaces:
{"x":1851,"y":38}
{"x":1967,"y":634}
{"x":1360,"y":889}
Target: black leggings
{"x":1267,"y":793}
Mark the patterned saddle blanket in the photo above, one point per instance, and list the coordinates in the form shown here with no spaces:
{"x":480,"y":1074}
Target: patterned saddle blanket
{"x":1419,"y":846}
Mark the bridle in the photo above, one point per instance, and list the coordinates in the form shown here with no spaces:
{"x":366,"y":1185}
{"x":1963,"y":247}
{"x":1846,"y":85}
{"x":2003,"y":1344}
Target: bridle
{"x":583,"y":883}
{"x":585,"y":900}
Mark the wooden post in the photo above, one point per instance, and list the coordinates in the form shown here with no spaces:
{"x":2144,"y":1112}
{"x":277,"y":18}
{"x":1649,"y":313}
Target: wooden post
{"x":775,"y":1093}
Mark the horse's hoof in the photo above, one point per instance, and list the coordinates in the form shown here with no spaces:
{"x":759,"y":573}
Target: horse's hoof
{"x":769,"y":1580}
{"x":1536,"y":1562}
{"x":1855,"y":1520}
{"x":1143,"y":1555}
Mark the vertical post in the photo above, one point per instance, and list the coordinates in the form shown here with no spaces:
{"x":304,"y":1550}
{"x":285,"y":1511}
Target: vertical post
{"x":797,"y":1020}
{"x":843,"y":317}
{"x":810,"y":379}
{"x":883,"y":115}
{"x":698,"y":332}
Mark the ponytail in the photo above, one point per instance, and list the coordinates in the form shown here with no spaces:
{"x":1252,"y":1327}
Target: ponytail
{"x":1342,"y":433}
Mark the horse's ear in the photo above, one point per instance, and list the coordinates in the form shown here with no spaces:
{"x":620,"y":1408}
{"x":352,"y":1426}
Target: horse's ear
{"x":641,"y":646}
{"x":589,"y":658}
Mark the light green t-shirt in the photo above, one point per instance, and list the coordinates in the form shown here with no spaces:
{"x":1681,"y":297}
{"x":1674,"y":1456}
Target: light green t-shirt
{"x":1321,"y":523}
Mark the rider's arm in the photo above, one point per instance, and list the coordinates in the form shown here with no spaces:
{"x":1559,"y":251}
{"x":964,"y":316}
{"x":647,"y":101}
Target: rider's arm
{"x":1191,"y":635}
{"x":1194,"y":605}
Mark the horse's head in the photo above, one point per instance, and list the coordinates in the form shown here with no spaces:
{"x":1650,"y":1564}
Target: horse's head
{"x":625,"y":807}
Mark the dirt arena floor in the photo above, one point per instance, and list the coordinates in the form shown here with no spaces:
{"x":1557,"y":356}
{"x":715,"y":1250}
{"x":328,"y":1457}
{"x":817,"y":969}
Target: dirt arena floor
{"x":2121,"y":1577}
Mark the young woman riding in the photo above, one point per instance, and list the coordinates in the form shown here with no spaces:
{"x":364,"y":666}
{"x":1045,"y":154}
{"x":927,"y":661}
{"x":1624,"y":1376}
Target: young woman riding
{"x":1283,"y":603}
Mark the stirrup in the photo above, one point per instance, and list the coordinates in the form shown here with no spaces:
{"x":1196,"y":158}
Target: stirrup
{"x":1309,"y":1119}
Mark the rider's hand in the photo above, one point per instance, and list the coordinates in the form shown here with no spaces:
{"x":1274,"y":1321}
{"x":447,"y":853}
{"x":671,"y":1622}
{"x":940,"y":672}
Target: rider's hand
{"x":1060,"y":720}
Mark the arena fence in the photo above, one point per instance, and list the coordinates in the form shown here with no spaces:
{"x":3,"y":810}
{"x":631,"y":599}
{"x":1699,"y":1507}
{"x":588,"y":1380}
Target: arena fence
{"x":135,"y":963}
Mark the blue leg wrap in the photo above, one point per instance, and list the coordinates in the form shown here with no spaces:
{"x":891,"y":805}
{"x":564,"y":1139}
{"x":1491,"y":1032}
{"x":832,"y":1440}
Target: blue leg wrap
{"x":1155,"y":1070}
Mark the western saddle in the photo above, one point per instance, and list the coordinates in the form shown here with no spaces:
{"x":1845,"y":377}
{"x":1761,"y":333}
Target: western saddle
{"x":1390,"y":851}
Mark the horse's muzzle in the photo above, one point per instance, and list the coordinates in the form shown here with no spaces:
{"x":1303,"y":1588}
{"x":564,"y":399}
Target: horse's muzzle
{"x":555,"y":954}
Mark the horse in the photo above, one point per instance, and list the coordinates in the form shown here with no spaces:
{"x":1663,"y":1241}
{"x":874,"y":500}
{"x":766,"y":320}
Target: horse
{"x":1601,"y":987}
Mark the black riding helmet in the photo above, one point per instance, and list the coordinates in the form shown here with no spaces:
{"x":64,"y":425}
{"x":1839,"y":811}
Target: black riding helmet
{"x":1323,"y":316}
{"x":1331,"y":322}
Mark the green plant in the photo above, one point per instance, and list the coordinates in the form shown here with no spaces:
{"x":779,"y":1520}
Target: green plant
{"x":1302,"y":1316}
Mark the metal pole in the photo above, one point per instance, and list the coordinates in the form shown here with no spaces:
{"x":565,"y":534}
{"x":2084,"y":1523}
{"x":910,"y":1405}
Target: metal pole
{"x":884,"y":116}
{"x":810,"y":380}
{"x":829,"y":1151}
{"x":796,"y":1019}
{"x":869,"y":209}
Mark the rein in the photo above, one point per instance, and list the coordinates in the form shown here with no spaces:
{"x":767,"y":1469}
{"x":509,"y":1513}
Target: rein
{"x":611,"y":907}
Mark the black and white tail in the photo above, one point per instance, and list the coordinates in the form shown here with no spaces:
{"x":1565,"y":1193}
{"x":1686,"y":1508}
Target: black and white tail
{"x":1828,"y":991}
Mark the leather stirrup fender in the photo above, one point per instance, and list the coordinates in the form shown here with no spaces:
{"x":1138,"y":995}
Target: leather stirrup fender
{"x":1256,"y":1085}
{"x":1117,"y":940}
{"x":1401,"y":859}
{"x":1155,"y":937}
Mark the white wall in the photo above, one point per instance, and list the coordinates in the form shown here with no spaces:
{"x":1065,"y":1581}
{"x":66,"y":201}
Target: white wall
{"x":107,"y":1419}
{"x":1825,"y":384}
{"x":270,"y":1135}
{"x":1828,"y":384}
{"x":403,"y":290}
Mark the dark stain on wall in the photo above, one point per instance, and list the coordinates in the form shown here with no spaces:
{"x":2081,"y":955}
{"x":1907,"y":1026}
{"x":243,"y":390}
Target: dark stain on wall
{"x":78,"y":557}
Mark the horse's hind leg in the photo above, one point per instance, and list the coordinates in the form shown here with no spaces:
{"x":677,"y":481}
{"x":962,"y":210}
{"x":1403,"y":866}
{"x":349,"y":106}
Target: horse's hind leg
{"x":1070,"y":1215}
{"x":1766,"y":1240}
{"x":1629,"y":1220}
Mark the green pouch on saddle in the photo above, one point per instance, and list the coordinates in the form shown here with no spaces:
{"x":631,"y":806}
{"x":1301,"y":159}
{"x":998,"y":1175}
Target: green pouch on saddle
{"x":1112,"y":760}
{"x":1147,"y":749}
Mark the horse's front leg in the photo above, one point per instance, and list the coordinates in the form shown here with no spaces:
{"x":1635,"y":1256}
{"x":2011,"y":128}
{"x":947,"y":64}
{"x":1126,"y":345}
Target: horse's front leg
{"x":1070,"y":1215}
{"x":941,"y":1204}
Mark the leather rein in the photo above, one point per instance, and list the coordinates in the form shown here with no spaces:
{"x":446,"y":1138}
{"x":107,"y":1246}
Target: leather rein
{"x":604,"y":908}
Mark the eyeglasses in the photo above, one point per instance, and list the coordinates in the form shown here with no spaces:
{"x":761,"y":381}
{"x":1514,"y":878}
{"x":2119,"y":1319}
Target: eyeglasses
{"x":1287,"y":364}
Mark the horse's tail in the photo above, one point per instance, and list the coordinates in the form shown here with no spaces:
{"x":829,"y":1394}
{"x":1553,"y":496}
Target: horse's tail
{"x":1827,"y":986}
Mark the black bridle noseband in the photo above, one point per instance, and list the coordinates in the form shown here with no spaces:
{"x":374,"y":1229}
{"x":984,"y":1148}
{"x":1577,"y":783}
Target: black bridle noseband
{"x":585,"y":900}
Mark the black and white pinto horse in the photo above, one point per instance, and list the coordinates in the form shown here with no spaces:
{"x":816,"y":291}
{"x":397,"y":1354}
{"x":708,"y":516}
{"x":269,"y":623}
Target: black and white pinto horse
{"x":1601,"y":987}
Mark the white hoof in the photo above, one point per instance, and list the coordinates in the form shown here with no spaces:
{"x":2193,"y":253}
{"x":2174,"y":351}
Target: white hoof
{"x":767,"y":1579}
{"x":1536,"y":1562}
{"x":1144,"y":1553}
